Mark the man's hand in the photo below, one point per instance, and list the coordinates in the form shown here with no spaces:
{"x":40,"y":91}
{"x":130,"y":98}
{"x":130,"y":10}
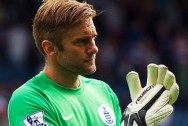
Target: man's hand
{"x":152,"y":103}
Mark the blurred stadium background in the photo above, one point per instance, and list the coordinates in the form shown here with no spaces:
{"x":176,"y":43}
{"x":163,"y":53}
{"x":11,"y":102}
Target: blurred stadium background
{"x":132,"y":34}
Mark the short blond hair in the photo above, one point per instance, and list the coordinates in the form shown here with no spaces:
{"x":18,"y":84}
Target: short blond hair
{"x":54,"y":17}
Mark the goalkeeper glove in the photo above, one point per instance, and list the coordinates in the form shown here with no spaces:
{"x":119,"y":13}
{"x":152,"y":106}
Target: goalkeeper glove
{"x":152,"y":103}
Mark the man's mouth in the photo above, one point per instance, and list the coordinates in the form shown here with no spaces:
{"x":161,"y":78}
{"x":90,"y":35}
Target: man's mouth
{"x":89,"y":60}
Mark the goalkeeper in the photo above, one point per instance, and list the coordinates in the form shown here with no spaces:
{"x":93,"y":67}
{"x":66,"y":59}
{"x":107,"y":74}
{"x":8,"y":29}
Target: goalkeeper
{"x":60,"y":95}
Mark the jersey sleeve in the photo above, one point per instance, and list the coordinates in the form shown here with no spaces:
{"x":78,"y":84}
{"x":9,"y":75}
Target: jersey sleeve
{"x":26,"y":108}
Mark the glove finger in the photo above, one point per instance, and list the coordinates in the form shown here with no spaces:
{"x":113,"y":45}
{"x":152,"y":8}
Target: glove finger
{"x":169,"y":80}
{"x":154,"y":119}
{"x":174,"y":93}
{"x":134,"y":84}
{"x":152,"y":74}
{"x":162,"y":69}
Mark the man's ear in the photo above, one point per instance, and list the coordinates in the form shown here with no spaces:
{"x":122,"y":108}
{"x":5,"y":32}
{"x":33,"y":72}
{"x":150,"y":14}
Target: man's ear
{"x":48,"y":47}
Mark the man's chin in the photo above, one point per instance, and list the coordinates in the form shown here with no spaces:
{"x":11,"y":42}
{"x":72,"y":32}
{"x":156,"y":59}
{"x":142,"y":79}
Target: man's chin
{"x":88,"y":72}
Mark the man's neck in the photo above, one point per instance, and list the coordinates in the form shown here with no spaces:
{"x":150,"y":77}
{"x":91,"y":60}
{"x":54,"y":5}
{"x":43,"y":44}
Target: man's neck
{"x":62,"y":77}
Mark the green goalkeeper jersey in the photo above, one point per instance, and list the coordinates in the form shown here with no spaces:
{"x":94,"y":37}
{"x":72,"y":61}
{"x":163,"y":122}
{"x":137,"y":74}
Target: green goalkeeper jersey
{"x":42,"y":102}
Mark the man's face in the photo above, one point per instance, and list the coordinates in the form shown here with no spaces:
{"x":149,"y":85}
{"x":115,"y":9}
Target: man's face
{"x":79,"y":49}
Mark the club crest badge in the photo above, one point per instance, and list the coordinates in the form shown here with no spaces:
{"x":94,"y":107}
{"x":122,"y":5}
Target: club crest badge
{"x":107,"y":115}
{"x":36,"y":119}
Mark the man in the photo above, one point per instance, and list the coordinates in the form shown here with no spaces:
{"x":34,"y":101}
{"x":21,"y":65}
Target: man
{"x":60,"y":95}
{"x":64,"y":32}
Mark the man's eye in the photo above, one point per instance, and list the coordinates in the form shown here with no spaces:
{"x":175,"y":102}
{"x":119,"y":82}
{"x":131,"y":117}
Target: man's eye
{"x":81,"y":42}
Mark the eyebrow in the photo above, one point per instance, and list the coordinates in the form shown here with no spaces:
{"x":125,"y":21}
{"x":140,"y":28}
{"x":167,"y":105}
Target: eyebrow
{"x":86,"y":35}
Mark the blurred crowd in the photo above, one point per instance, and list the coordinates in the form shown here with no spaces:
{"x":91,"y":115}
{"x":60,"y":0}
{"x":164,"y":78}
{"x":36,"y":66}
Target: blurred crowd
{"x":132,"y":34}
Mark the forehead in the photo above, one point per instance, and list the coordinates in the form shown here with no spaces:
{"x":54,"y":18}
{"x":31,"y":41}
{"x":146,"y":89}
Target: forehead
{"x":84,"y":27}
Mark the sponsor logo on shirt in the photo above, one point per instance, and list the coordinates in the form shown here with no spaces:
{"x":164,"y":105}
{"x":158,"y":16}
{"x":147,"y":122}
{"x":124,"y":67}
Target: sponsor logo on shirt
{"x":106,"y":114}
{"x":36,"y":119}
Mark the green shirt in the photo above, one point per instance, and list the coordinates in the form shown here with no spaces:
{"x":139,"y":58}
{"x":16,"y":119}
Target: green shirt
{"x":42,"y":102}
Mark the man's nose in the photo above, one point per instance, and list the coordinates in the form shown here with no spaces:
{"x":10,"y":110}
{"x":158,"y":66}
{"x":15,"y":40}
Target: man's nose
{"x":92,"y":49}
